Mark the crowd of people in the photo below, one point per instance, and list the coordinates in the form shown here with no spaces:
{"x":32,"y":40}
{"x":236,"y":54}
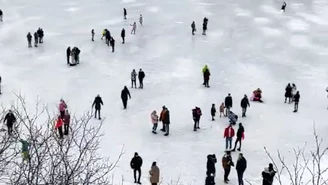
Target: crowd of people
{"x":38,"y":38}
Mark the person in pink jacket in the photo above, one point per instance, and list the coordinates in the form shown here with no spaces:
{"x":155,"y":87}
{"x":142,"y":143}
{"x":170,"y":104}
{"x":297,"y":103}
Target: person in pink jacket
{"x":154,"y":120}
{"x":62,"y":108}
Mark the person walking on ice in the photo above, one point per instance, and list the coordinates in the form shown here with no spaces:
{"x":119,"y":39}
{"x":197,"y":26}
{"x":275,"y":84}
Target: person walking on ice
{"x":123,"y":35}
{"x":141,"y":19}
{"x":124,"y":13}
{"x":136,"y":164}
{"x":97,"y":103}
{"x":25,"y":150}
{"x":296,"y":100}
{"x":29,"y":39}
{"x":133,"y":78}
{"x":154,"y":174}
{"x":154,"y":120}
{"x":1,"y":15}
{"x":213,"y":111}
{"x":134,"y":28}
{"x":283,"y":7}
{"x":193,"y":28}
{"x":124,"y":96}
{"x":10,"y":119}
{"x":92,"y":35}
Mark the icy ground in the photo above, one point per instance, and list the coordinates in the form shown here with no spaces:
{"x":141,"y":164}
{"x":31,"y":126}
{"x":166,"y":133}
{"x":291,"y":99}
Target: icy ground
{"x":250,"y":44}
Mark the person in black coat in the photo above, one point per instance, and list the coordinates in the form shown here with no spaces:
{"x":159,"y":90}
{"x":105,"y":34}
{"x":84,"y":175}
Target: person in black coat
{"x":136,"y":163}
{"x":141,"y":76}
{"x":29,"y":39}
{"x":228,"y":103}
{"x":288,"y":93}
{"x":283,"y":7}
{"x":193,"y":28}
{"x":123,"y":35}
{"x":207,"y":75}
{"x":268,"y":175}
{"x":124,"y":13}
{"x":10,"y":119}
{"x":241,"y":167}
{"x":244,"y":104}
{"x":297,"y":97}
{"x":166,"y":121}
{"x":213,"y":111}
{"x":108,"y":36}
{"x":36,"y":37}
{"x":240,"y":133}
{"x":97,"y":103}
{"x":124,"y":96}
{"x":210,"y":165}
{"x":1,"y":15}
{"x":92,"y":35}
{"x":112,"y":43}
{"x":196,"y":114}
{"x":68,"y":54}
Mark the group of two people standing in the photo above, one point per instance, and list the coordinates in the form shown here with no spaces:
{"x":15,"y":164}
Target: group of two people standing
{"x":141,"y":75}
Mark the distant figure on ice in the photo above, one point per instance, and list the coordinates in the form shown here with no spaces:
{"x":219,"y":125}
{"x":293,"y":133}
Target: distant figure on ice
{"x":124,"y":13}
{"x":1,"y":15}
{"x":40,"y":35}
{"x":296,"y":100}
{"x":268,"y":175}
{"x":161,"y":117}
{"x":244,"y":104}
{"x":222,"y":107}
{"x":288,"y":93}
{"x":240,"y":136}
{"x":206,"y":75}
{"x":75,"y":56}
{"x":29,"y":39}
{"x":92,"y":35}
{"x":112,"y":44}
{"x":205,"y":21}
{"x":233,"y":118}
{"x":193,"y":28}
{"x":166,"y":121}
{"x":283,"y":7}
{"x":228,"y":104}
{"x":141,"y":76}
{"x":133,"y":78}
{"x":196,"y":114}
{"x":124,"y":96}
{"x":10,"y":119}
{"x":229,"y":133}
{"x":97,"y":103}
{"x":257,"y":95}
{"x":123,"y":35}
{"x":59,"y":127}
{"x":154,"y":174}
{"x":227,"y":163}
{"x":67,"y":121}
{"x":136,"y":164}
{"x":25,"y":150}
{"x":108,"y":36}
{"x":241,"y":168}
{"x":134,"y":28}
{"x":36,"y":37}
{"x":213,"y":111}
{"x":68,"y":54}
{"x":62,"y":108}
{"x":140,"y":19}
{"x":154,"y":120}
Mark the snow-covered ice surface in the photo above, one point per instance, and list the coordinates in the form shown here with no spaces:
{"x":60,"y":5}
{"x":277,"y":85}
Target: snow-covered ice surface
{"x":250,"y":44}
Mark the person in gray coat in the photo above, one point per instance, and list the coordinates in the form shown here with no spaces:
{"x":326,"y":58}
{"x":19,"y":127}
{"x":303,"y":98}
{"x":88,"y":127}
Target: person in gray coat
{"x":154,"y":174}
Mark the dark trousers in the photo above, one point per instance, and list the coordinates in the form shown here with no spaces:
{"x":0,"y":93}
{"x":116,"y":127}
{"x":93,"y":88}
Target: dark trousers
{"x":163,"y":128}
{"x":167,"y":128}
{"x":155,"y":127}
{"x":296,"y":106}
{"x":244,"y":109}
{"x":227,"y":110}
{"x":97,"y":111}
{"x":206,"y":82}
{"x":193,"y":31}
{"x":113,"y":48}
{"x":226,"y":173}
{"x":125,"y":103}
{"x":62,"y":114}
{"x":135,"y":174}
{"x":66,"y":128}
{"x":92,"y":37}
{"x":133,"y":82}
{"x":67,"y":59}
{"x":196,"y":124}
{"x":60,"y":132}
{"x":123,"y":39}
{"x":29,"y":44}
{"x":238,"y":140}
{"x":153,"y":183}
{"x":10,"y":128}
{"x":240,"y":178}
{"x":140,"y":83}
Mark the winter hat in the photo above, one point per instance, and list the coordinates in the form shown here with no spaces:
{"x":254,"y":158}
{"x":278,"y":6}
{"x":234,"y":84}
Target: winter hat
{"x":154,"y":163}
{"x":164,"y":107}
{"x":135,"y":153}
{"x":240,"y":124}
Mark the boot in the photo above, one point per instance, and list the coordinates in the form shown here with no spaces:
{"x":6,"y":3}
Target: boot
{"x":166,"y":134}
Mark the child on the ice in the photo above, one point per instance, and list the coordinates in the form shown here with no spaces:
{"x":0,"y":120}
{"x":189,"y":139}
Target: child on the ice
{"x":25,"y":150}
{"x":154,"y":120}
{"x":233,"y":118}
{"x":257,"y":95}
{"x":213,"y":111}
{"x":134,"y":27}
{"x":59,"y":126}
{"x":222,"y":109}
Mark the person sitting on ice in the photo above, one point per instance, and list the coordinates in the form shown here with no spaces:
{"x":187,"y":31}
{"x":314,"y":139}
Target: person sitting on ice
{"x":233,"y":118}
{"x":257,"y":95}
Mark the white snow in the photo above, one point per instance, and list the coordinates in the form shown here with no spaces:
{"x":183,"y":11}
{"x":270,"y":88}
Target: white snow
{"x":249,"y":44}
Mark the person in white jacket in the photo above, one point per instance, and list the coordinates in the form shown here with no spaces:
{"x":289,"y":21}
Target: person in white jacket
{"x":294,"y":90}
{"x":154,"y":120}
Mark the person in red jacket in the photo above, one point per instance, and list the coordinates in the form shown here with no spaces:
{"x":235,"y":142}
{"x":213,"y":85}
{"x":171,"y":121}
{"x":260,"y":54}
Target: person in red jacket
{"x":229,"y":133}
{"x":59,"y":126}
